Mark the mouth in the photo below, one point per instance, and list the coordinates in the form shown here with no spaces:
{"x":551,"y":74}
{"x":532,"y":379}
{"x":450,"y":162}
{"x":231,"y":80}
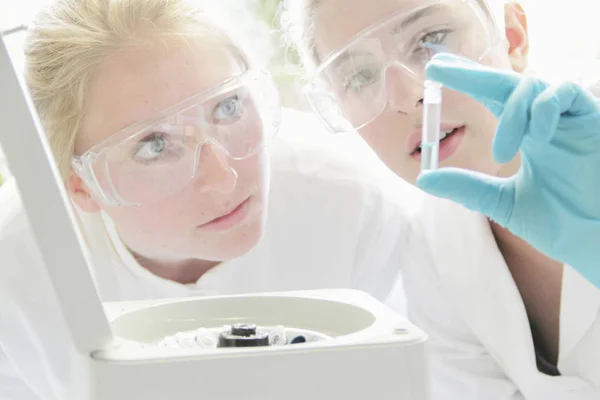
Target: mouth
{"x":229,"y":219}
{"x":443,"y":136}
{"x":450,"y":138}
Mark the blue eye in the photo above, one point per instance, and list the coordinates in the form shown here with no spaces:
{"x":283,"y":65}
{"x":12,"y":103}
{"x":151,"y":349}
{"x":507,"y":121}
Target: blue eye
{"x":228,"y":110}
{"x":432,"y":43}
{"x":432,"y":39}
{"x":150,"y":147}
{"x":429,"y":44}
{"x":362,"y":78}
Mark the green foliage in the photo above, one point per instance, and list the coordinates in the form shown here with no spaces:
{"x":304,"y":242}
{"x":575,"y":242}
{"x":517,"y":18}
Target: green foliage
{"x":286,"y":58}
{"x":285,"y":64}
{"x":267,"y":9}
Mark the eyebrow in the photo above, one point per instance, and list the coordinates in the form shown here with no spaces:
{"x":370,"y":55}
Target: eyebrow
{"x":342,"y":58}
{"x":411,"y":20}
{"x":424,"y":12}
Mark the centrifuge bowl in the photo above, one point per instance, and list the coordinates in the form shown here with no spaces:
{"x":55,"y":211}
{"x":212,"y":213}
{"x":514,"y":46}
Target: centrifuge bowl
{"x":333,"y":318}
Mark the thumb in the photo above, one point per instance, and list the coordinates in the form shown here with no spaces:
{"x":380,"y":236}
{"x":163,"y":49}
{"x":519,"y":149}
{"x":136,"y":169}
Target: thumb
{"x":491,"y":196}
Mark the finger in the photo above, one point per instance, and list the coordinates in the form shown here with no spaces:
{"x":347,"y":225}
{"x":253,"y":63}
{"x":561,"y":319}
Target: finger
{"x":556,"y":100}
{"x":491,"y":196}
{"x":514,"y":123}
{"x":485,"y":84}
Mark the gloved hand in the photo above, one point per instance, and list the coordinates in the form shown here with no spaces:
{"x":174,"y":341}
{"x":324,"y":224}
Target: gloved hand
{"x":553,"y":202}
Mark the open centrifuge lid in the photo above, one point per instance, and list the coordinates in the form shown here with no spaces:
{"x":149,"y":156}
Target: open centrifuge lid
{"x":52,"y":221}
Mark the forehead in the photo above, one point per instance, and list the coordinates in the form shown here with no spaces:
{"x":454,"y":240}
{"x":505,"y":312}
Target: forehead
{"x":337,"y":21}
{"x":135,"y":84}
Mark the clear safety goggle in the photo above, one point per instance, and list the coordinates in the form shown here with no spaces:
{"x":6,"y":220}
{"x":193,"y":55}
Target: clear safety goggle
{"x":154,"y":159}
{"x":352,"y":86}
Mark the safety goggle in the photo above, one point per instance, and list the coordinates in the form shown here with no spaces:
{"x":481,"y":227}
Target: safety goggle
{"x":154,"y":159}
{"x":351,"y":87}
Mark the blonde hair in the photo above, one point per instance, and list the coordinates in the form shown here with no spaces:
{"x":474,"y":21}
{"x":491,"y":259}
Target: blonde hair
{"x":70,"y":38}
{"x":298,"y":29}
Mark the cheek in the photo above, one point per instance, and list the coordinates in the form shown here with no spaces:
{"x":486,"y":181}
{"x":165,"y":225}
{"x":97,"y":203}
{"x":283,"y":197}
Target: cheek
{"x":148,"y":224}
{"x":387,"y":136}
{"x":380,"y":138}
{"x":151,"y":216}
{"x":253,"y":172}
{"x":498,"y":57}
{"x":461,"y":108}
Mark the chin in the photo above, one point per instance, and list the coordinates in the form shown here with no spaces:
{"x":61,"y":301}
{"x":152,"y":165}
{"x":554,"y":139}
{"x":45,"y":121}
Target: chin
{"x":240,"y":241}
{"x":250,"y":234}
{"x":244,"y":247}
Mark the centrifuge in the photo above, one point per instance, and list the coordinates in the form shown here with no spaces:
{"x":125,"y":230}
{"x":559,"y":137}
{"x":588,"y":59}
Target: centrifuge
{"x":322,"y":344}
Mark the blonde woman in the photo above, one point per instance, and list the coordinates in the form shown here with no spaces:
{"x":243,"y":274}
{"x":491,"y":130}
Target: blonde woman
{"x":505,"y":320}
{"x":165,"y":133}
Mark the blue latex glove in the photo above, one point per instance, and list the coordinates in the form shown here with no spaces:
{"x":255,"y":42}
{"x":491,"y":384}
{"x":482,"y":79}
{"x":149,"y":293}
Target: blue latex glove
{"x":553,"y":202}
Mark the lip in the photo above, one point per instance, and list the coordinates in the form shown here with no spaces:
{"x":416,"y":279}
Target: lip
{"x":447,"y":147}
{"x":414,"y":139}
{"x":229,"y":219}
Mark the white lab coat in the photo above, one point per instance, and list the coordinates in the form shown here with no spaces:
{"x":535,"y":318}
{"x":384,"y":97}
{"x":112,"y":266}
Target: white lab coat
{"x":3,"y":169}
{"x":463,"y":295}
{"x":337,"y":219}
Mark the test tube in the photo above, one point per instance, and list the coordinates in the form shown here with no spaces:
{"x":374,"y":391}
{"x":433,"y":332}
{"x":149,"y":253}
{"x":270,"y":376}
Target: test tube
{"x":430,"y":135}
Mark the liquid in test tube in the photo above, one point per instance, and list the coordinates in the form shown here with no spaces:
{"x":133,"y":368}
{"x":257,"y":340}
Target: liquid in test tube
{"x":432,"y":114}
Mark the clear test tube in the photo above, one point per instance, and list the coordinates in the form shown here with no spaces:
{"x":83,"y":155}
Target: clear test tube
{"x":432,"y":114}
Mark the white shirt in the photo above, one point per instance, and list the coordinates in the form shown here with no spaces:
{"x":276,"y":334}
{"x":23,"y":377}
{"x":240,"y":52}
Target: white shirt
{"x":337,"y":219}
{"x":461,"y":292}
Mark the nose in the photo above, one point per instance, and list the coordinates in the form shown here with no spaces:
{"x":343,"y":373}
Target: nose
{"x":214,"y":172}
{"x":404,"y":89}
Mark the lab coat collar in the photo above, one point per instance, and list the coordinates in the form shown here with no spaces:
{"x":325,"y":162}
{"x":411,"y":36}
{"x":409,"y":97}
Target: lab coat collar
{"x":474,"y":272}
{"x":470,"y":265}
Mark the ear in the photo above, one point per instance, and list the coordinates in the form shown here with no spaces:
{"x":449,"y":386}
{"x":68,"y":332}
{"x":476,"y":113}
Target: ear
{"x":81,"y":194}
{"x":517,"y":35}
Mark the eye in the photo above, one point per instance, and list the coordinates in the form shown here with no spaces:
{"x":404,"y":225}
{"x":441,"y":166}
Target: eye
{"x":364,"y":77}
{"x":150,"y":148}
{"x":228,"y":110}
{"x":433,"y":38}
{"x":433,"y":42}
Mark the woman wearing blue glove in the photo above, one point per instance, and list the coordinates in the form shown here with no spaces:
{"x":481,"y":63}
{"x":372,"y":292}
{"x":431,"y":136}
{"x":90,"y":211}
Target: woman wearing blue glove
{"x":553,"y":199}
{"x":505,"y":320}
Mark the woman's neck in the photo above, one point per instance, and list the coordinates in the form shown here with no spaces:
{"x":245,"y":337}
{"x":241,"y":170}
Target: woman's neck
{"x":184,"y":272}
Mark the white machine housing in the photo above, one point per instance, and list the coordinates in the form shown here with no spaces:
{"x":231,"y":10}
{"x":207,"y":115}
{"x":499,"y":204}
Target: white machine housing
{"x":111,"y":351}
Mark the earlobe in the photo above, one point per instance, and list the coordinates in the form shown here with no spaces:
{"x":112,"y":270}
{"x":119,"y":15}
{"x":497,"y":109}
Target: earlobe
{"x":517,"y":35}
{"x":80,"y":194}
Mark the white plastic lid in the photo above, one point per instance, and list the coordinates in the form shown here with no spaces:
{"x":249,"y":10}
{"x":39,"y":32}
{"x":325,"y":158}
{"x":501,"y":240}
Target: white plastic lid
{"x":49,"y":213}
